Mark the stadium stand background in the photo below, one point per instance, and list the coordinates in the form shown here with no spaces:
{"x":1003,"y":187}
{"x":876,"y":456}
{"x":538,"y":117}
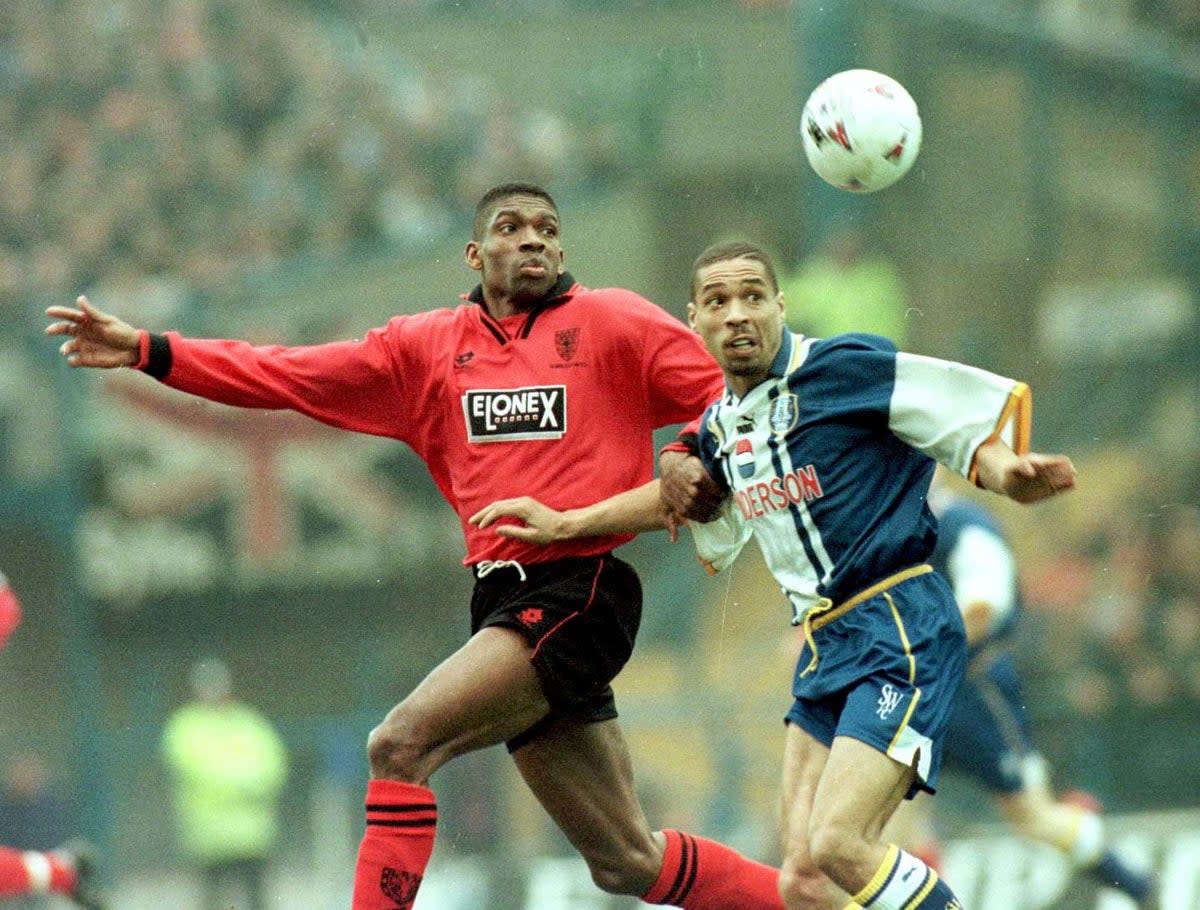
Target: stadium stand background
{"x":297,"y":171}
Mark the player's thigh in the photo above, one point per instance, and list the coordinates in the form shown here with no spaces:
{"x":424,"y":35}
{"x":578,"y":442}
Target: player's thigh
{"x":859,"y":790}
{"x":582,"y":775}
{"x":803,"y":884}
{"x":484,"y":693}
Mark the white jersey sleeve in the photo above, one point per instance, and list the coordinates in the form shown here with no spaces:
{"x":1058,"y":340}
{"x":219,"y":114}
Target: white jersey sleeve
{"x":718,"y":542}
{"x":948,"y":410}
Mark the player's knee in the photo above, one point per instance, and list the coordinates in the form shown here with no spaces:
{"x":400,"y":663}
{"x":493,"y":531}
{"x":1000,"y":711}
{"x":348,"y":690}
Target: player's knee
{"x":803,"y":885}
{"x":1050,"y":827}
{"x":631,"y":872}
{"x":834,"y":848}
{"x":1026,"y":817}
{"x":1025,"y":824}
{"x":397,"y":750}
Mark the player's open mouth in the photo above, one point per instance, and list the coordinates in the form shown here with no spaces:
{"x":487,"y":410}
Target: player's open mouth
{"x":743,"y":344}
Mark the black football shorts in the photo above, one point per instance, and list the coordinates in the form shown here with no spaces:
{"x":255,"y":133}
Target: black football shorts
{"x":581,"y":617}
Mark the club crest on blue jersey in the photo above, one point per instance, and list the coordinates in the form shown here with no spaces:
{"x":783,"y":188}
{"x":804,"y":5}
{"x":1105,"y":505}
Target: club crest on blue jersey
{"x":889,"y":699}
{"x":785,"y":411}
{"x":743,"y":458}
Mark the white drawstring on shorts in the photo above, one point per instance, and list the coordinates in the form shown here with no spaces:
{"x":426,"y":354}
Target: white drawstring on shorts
{"x":488,"y":566}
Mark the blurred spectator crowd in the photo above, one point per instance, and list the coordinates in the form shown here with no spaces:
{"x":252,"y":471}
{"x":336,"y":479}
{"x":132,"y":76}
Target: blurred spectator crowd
{"x":1112,"y":645}
{"x":168,"y":146}
{"x":164,"y":148}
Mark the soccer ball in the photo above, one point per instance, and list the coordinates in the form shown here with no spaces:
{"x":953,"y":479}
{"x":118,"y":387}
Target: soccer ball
{"x":861,"y":130}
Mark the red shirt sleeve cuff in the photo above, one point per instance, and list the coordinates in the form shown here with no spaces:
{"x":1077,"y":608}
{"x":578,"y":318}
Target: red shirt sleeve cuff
{"x":677,"y":446}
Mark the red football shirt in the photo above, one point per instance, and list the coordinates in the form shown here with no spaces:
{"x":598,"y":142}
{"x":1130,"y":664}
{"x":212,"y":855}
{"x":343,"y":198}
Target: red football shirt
{"x":559,"y":404}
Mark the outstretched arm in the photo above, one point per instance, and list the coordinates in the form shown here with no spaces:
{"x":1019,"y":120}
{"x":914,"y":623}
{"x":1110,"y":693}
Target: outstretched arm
{"x":630,"y":512}
{"x":94,"y":338}
{"x":1024,"y":478}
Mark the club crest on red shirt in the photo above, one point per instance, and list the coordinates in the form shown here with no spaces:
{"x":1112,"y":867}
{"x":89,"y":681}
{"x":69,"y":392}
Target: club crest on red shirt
{"x":566,"y":342}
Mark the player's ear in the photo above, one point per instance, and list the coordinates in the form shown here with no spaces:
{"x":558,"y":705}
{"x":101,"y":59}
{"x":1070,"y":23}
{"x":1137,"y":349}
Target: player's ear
{"x":471,"y":254}
{"x":562,"y":258}
{"x":691,"y":314}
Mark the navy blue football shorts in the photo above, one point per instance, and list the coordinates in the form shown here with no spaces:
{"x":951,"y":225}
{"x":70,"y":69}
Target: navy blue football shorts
{"x":886,"y":673}
{"x":581,"y":617}
{"x":989,"y":736}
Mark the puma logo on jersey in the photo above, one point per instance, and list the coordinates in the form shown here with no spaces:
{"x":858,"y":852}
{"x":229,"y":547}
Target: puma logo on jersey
{"x":503,"y":415}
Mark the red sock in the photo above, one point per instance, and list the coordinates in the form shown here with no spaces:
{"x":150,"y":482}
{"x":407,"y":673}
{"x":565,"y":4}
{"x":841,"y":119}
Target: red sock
{"x":395,"y":849}
{"x":700,"y":874}
{"x":31,"y":872}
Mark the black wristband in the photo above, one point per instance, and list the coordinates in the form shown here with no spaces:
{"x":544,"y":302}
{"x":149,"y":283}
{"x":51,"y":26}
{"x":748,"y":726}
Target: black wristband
{"x":158,"y":364}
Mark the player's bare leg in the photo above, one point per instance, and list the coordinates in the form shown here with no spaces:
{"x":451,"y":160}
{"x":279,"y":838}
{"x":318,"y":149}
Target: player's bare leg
{"x":485,"y":693}
{"x":802,"y":882}
{"x":912,"y":828}
{"x":835,"y":811}
{"x":582,"y":775}
{"x":1078,"y":832}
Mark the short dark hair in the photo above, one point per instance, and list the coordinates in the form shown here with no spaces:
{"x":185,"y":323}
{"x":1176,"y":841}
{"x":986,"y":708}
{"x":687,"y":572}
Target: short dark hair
{"x":734,"y":249}
{"x":487,"y":202}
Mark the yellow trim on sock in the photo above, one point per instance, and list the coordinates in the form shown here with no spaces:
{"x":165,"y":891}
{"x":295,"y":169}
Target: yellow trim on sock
{"x":920,"y":896}
{"x":879,"y":879}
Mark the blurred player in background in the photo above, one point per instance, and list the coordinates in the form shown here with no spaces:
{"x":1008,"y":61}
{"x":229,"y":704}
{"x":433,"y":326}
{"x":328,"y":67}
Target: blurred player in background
{"x":826,"y":449}
{"x":988,"y":737}
{"x":70,"y":870}
{"x":844,"y":286}
{"x":228,"y":765}
{"x":537,"y":386}
{"x":10,"y":610}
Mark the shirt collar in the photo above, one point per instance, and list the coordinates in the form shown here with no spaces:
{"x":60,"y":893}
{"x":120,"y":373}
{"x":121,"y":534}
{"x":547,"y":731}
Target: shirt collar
{"x":779,"y":366}
{"x":561,"y":289}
